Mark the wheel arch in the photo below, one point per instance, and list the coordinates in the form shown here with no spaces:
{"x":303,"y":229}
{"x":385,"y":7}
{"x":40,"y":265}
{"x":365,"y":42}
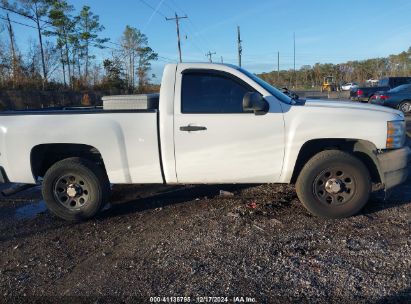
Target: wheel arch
{"x":43,"y":156}
{"x":364,"y":150}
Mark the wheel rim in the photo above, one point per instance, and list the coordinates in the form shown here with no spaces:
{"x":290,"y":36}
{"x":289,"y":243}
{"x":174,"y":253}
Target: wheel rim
{"x":406,"y":107}
{"x":334,"y":187}
{"x":72,"y":191}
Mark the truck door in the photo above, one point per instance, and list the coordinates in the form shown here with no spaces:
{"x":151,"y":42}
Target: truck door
{"x":216,"y":141}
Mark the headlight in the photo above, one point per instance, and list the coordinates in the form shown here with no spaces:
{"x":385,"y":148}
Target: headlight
{"x":395,"y":134}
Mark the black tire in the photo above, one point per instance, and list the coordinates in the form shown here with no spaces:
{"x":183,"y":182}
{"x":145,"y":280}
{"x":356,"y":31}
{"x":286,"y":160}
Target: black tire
{"x":405,"y":106}
{"x":84,"y":185}
{"x":337,"y":169}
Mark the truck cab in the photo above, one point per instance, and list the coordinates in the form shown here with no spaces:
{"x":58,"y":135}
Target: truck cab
{"x":216,"y":140}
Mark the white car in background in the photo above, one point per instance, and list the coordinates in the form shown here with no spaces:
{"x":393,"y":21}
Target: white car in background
{"x":348,"y":86}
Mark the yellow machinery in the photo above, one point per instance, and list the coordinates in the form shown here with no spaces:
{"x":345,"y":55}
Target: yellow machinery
{"x":328,"y":85}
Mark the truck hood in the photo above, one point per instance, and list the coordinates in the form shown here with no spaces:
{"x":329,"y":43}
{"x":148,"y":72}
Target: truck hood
{"x":351,"y":105}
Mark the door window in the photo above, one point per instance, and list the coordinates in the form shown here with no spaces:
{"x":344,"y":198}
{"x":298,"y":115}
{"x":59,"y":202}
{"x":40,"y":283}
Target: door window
{"x":212,"y":93}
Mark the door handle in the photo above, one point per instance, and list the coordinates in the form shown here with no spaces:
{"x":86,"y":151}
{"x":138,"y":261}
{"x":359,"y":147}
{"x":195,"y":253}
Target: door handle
{"x":192,"y":128}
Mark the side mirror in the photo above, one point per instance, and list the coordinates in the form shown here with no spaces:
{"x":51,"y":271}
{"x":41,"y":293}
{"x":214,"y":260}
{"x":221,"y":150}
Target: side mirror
{"x":290,"y":93}
{"x":253,"y":101}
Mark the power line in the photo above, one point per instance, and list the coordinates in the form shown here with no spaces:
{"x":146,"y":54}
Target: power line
{"x":200,"y":48}
{"x":16,"y":12}
{"x":172,"y":9}
{"x":194,"y":32}
{"x":152,"y":15}
{"x":176,"y":18}
{"x":166,"y":58}
{"x":178,"y":6}
{"x":117,"y":44}
{"x":45,"y":21}
{"x":119,"y":50}
{"x":16,"y":22}
{"x":150,"y":6}
{"x":23,"y":14}
{"x":205,"y":40}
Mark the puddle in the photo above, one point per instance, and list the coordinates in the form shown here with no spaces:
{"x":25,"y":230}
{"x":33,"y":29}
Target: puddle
{"x":30,"y":210}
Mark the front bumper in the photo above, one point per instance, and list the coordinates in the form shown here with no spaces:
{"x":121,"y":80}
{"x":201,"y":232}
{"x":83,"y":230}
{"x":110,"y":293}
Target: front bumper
{"x":393,"y":166}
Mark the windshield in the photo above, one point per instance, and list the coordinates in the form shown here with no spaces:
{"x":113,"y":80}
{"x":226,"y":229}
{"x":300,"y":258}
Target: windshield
{"x":272,"y":90}
{"x":400,"y":88}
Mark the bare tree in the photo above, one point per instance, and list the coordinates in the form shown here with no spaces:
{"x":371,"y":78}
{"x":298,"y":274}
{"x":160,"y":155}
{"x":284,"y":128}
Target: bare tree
{"x":34,"y":10}
{"x":15,"y":56}
{"x":5,"y":62}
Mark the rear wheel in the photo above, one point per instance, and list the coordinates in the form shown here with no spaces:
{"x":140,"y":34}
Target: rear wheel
{"x":75,"y":189}
{"x":405,"y":106}
{"x":334,"y":184}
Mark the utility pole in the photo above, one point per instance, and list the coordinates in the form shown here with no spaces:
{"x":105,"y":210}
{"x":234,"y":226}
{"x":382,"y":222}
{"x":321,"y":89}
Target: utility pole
{"x":294,"y":60}
{"x":177,"y":18}
{"x":210,"y":56}
{"x":13,"y":50}
{"x":240,"y":48}
{"x":278,"y":67}
{"x":43,"y":62}
{"x":64,"y":66}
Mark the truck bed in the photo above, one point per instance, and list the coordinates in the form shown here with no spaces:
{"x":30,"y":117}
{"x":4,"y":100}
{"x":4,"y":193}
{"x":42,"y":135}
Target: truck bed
{"x":111,"y":104}
{"x":127,"y":140}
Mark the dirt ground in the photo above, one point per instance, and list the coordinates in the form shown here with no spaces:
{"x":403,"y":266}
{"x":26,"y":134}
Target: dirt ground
{"x":257,"y":245}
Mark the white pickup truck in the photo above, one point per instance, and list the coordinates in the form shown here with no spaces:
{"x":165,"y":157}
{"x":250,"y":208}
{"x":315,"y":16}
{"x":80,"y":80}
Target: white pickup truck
{"x":214,"y":124}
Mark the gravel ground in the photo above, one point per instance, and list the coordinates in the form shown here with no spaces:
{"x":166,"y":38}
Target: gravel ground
{"x":192,"y":241}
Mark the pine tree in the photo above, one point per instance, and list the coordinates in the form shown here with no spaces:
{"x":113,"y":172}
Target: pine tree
{"x":88,"y":28}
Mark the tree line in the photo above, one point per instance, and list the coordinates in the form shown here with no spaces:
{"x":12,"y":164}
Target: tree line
{"x":63,"y":54}
{"x":352,"y":71}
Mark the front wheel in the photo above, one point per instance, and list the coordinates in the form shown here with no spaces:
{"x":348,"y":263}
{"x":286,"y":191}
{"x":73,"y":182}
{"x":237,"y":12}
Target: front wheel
{"x":405,"y":107}
{"x":75,"y":189}
{"x":334,"y":184}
